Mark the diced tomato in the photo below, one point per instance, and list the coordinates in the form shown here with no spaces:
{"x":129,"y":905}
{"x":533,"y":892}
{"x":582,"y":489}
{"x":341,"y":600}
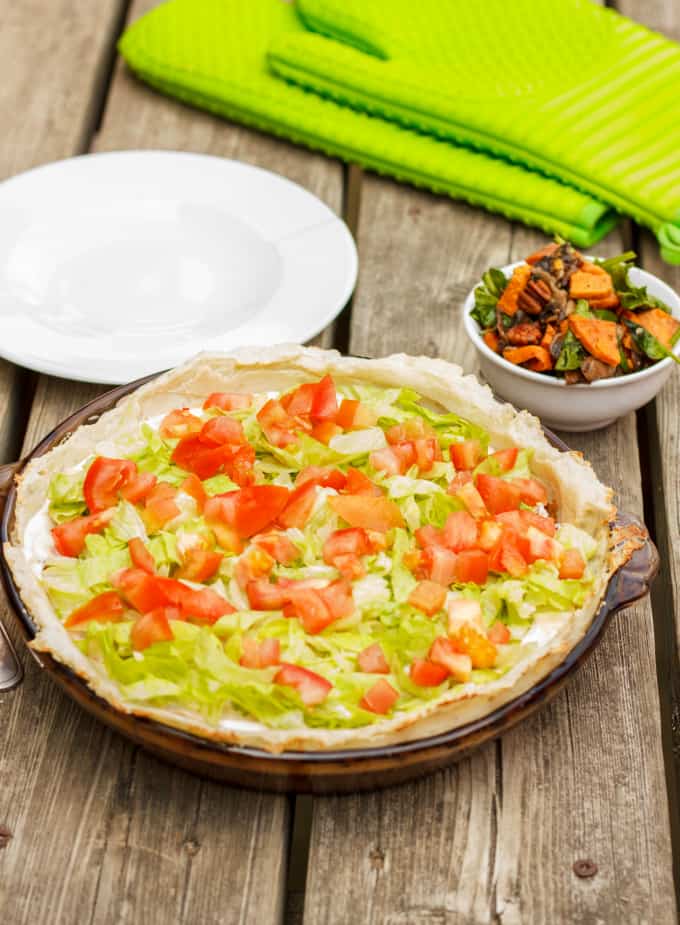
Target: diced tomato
{"x":427,"y":451}
{"x":227,"y":538}
{"x":531,"y":519}
{"x":263,"y":595}
{"x":462,"y":612}
{"x":106,"y":608}
{"x":254,"y":563}
{"x":443,"y":652}
{"x":498,"y":634}
{"x":199,"y":605}
{"x":324,"y":431}
{"x":460,"y":531}
{"x":152,"y":627}
{"x":371,"y":513}
{"x":520,"y":521}
{"x":311,"y":609}
{"x":505,"y":459}
{"x":572,"y":565}
{"x":360,"y":484}
{"x":299,"y":506}
{"x":140,"y":555}
{"x":386,"y":461}
{"x":258,"y":506}
{"x":228,"y":401}
{"x":438,"y":564}
{"x":506,"y":557}
{"x":193,"y":487}
{"x":499,"y":495}
{"x":221,"y":431}
{"x":412,"y":429}
{"x":472,"y":642}
{"x":406,"y":454}
{"x":428,"y":596}
{"x":69,"y":537}
{"x":411,"y":560}
{"x":532,"y":492}
{"x":352,"y":541}
{"x":352,"y":415}
{"x":240,"y":468}
{"x":311,"y":687}
{"x":371,"y":660}
{"x":542,"y":546}
{"x":160,"y":506}
{"x":472,"y":565}
{"x":325,"y":402}
{"x":350,"y":567}
{"x":345,"y":416}
{"x":104,"y":480}
{"x":489,"y":534}
{"x":325,"y":476}
{"x":429,"y":536}
{"x":279,"y":547}
{"x":277,"y":425}
{"x":262,"y":654}
{"x":428,"y":674}
{"x":338,"y":598}
{"x":199,"y":564}
{"x":466,"y":455}
{"x":204,"y":460}
{"x":139,"y":589}
{"x":460,"y":478}
{"x":138,"y":487}
{"x":298,"y":403}
{"x":180,"y":423}
{"x":380,"y":698}
{"x":472,"y":500}
{"x":222,"y":508}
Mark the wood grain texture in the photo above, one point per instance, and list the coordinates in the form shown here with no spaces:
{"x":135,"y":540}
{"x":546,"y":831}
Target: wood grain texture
{"x":494,"y":838}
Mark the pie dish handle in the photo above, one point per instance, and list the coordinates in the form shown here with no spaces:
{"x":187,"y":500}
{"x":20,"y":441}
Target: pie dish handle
{"x":636,"y":561}
{"x":11,"y":672}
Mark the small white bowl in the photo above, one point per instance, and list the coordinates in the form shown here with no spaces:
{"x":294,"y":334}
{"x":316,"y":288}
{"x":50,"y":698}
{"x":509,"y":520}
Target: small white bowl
{"x":586,"y":406}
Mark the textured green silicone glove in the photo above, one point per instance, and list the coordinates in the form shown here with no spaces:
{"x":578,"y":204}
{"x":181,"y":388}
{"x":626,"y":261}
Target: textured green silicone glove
{"x":562,"y":86}
{"x":212,"y":53}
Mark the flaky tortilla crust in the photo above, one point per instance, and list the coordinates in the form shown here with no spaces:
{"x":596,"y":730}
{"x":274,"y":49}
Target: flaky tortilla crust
{"x":578,"y":497}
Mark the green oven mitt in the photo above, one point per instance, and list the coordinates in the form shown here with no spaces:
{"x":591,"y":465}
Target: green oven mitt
{"x":562,"y":86}
{"x":213,"y":54}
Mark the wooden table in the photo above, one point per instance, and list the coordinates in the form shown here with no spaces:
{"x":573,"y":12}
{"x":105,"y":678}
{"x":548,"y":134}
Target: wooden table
{"x":93,"y":830}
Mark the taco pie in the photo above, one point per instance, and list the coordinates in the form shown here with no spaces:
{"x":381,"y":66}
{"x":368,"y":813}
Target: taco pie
{"x":294,"y":550}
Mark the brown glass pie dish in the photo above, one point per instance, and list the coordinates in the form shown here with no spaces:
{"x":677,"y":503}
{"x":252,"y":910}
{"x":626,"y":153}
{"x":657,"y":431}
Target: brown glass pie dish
{"x":328,"y":771}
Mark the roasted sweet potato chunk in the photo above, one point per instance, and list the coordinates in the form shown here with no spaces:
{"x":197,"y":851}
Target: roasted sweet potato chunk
{"x":598,"y":337}
{"x":508,"y":301}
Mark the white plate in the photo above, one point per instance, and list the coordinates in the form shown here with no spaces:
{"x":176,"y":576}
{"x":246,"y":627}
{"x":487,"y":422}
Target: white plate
{"x":117,"y":265}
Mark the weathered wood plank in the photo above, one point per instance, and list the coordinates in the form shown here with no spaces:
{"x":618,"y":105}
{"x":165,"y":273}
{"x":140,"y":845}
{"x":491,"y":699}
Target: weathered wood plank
{"x":139,"y":840}
{"x":494,"y":838}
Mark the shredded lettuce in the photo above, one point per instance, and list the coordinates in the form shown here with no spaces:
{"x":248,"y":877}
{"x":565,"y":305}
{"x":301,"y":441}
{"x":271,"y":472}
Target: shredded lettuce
{"x":402,"y":579}
{"x":65,"y":493}
{"x":219,"y":485}
{"x":155,"y":458}
{"x":200,"y":670}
